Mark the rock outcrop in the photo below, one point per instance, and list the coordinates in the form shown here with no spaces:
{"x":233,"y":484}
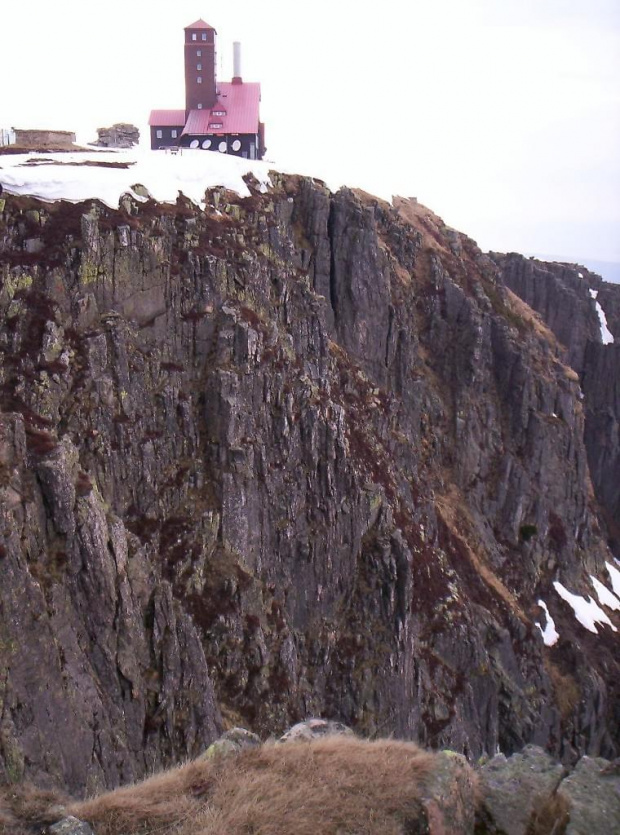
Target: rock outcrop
{"x":120,"y":135}
{"x":566,"y":296}
{"x":531,"y":793}
{"x":295,"y":454}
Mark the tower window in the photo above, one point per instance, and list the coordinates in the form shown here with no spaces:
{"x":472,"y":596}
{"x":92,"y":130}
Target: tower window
{"x":198,"y":66}
{"x":198,"y":53}
{"x":199,"y":79}
{"x":204,"y":36}
{"x":194,"y":36}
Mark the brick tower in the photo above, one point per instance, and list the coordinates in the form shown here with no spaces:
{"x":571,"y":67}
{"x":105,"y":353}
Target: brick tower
{"x":200,"y":85}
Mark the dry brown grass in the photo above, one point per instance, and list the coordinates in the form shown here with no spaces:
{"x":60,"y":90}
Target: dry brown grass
{"x":334,"y":786}
{"x":427,"y":223}
{"x":550,"y":816}
{"x":565,"y":690}
{"x":452,"y":508}
{"x":25,"y":809}
{"x":529,"y":315}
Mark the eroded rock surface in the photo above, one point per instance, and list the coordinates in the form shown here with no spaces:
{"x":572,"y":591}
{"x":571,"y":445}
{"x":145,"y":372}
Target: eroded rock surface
{"x":566,"y":295}
{"x":593,"y":795}
{"x":296,"y":454}
{"x":529,"y":792}
{"x":120,"y":135}
{"x":513,"y":790}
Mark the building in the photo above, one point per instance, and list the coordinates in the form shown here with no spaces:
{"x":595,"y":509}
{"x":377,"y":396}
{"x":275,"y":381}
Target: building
{"x":39,"y":139}
{"x":219,"y":115}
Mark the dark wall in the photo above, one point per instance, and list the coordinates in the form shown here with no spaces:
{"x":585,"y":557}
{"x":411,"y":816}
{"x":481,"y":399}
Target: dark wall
{"x":247,"y":140}
{"x":166,"y":140}
{"x":201,"y":53}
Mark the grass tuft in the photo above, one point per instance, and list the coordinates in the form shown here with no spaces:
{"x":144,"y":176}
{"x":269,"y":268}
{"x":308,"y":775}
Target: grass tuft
{"x":334,"y":785}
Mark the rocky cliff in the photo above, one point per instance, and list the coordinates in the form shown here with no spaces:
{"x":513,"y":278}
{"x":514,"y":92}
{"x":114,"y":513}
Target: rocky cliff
{"x":566,"y":296}
{"x":297,"y":454}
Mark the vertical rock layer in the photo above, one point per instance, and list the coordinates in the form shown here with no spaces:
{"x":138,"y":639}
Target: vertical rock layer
{"x":566,"y":295}
{"x":300,"y":453}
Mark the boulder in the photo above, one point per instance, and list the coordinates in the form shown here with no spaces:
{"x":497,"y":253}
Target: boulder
{"x":513,"y":789}
{"x":593,"y":795}
{"x":120,"y":135}
{"x":315,"y":729}
{"x":70,"y":826}
{"x":231,"y":742}
{"x":449,"y":799}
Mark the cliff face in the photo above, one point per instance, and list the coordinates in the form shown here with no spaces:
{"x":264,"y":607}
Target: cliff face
{"x":561,"y":294}
{"x":297,"y":454}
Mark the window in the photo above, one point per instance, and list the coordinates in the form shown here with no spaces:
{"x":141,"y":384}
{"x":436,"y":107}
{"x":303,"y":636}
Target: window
{"x":199,"y":106}
{"x":218,"y":112}
{"x":215,"y":125}
{"x":198,"y":53}
{"x":204,"y":36}
{"x":198,"y":66}
{"x":173,"y":133}
{"x":159,"y":134}
{"x":194,"y":36}
{"x":199,"y":79}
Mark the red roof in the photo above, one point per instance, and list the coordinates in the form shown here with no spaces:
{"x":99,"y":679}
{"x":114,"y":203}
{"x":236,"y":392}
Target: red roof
{"x":241,"y":103}
{"x":167,"y":118}
{"x":200,"y":24}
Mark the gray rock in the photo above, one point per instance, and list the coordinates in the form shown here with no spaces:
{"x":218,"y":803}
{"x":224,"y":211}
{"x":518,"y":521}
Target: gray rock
{"x":232,"y":742}
{"x":560,"y":294}
{"x":141,"y":191}
{"x":513,"y":788}
{"x":282,"y":451}
{"x":449,"y":798}
{"x":70,"y":826}
{"x":120,"y":135}
{"x":315,"y":729}
{"x":34,"y":245}
{"x":593,"y":794}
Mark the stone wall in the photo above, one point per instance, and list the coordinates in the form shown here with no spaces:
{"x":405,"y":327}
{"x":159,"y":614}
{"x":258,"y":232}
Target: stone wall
{"x":44,"y":138}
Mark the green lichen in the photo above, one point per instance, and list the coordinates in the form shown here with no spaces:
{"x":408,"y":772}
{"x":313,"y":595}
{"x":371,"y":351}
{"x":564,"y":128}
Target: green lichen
{"x":12,"y":755}
{"x":88,"y":272}
{"x":15,"y":283}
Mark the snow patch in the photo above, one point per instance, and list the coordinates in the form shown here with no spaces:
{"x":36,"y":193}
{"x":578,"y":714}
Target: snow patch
{"x":549,"y":633}
{"x":606,"y":597}
{"x":614,"y":576}
{"x":66,"y":176}
{"x":606,"y":335}
{"x":587,"y":612}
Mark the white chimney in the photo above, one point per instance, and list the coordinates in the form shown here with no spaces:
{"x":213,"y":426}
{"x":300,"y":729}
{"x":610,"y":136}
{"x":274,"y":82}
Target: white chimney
{"x":236,"y":62}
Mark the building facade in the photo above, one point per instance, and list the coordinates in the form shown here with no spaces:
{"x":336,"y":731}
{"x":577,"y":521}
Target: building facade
{"x":218,"y":116}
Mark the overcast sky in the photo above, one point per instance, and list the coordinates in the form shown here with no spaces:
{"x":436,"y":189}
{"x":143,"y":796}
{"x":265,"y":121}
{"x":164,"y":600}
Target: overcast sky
{"x":503,"y":116}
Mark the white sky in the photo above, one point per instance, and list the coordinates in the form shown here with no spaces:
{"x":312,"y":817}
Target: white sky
{"x":503,"y":116}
